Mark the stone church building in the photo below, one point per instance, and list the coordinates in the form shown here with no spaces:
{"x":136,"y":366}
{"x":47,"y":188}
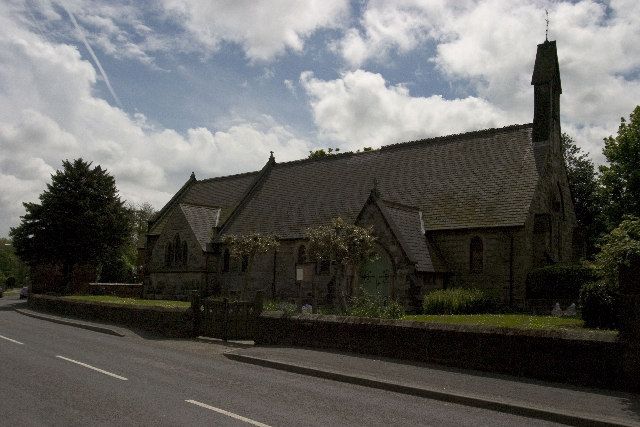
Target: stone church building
{"x":478,"y":209}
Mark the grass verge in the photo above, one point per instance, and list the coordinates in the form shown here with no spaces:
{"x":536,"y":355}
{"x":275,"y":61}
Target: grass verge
{"x":517,"y":321}
{"x":130,"y":301}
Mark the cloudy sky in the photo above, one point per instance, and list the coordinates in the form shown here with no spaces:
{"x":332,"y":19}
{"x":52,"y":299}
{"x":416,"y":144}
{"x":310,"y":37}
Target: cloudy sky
{"x":153,"y":90}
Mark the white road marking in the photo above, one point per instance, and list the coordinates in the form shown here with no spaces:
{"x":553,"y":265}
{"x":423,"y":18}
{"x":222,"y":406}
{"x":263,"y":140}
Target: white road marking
{"x":227,"y":413}
{"x":9,"y":339}
{"x":92,"y":367}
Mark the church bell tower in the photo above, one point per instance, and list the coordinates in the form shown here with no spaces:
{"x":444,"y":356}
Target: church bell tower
{"x":547,"y":90}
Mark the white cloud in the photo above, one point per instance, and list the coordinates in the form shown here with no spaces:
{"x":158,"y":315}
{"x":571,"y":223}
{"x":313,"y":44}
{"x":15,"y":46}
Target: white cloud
{"x":48,"y":113}
{"x":290,"y":85}
{"x":264,"y":28}
{"x":385,"y":25}
{"x":360,"y":109}
{"x":490,"y":45}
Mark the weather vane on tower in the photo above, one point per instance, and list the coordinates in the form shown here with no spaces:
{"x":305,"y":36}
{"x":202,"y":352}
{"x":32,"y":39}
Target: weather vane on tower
{"x":546,"y":33}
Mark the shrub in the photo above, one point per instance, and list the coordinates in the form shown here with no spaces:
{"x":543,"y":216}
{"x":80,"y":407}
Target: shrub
{"x":598,"y":302}
{"x":367,"y":304}
{"x":560,"y":281}
{"x":459,"y":301}
{"x":273,"y":305}
{"x":617,"y":248}
{"x":10,"y":282}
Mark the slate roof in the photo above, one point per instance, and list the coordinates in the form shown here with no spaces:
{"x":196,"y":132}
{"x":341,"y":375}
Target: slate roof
{"x":224,"y":192}
{"x":407,"y":225}
{"x":201,"y":219}
{"x":476,"y":179}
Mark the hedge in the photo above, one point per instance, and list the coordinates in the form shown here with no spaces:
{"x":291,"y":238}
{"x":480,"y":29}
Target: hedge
{"x":459,"y":301}
{"x":558,"y":282}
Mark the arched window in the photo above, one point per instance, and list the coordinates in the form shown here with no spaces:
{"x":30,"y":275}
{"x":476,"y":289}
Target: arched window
{"x":168,"y":255}
{"x":226,"y":261}
{"x":302,"y":254}
{"x":476,"y":255}
{"x":245,"y":263}
{"x":184,"y":253}
{"x":177,"y":260}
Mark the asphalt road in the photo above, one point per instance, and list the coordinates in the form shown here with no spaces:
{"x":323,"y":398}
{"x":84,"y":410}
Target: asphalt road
{"x":52,"y":374}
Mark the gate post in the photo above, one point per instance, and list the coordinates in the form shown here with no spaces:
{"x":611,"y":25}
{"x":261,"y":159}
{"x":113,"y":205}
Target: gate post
{"x":258,"y":301}
{"x":197,"y":314}
{"x":225,"y":319}
{"x":629,"y":317}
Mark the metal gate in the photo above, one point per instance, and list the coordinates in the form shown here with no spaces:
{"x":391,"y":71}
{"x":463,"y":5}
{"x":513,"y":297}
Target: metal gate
{"x":224,"y":319}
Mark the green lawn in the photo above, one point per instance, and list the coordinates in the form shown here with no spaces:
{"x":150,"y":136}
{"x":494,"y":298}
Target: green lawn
{"x":12,"y":291}
{"x":518,"y":321}
{"x":130,"y":301}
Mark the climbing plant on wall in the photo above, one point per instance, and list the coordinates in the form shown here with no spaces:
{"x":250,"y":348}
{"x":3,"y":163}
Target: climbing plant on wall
{"x":246,"y":247}
{"x":348,"y":245}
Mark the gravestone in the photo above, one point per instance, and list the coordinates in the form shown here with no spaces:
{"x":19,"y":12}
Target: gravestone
{"x":570,"y":311}
{"x":629,"y":316}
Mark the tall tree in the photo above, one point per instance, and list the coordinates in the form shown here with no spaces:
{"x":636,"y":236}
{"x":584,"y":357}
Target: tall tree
{"x":584,"y":187}
{"x":621,"y":177}
{"x":123,"y":267}
{"x":80,"y":220}
{"x":10,"y":264}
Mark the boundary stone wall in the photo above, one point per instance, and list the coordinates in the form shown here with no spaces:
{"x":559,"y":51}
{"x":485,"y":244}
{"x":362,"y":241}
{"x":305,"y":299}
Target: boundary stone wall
{"x":578,"y":358}
{"x":168,"y":322}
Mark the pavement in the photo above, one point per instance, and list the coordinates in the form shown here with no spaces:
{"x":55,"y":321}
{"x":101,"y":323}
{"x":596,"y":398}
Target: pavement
{"x":554,"y":402}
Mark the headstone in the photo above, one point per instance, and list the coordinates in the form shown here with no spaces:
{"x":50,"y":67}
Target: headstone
{"x":557,"y":311}
{"x":571,"y":310}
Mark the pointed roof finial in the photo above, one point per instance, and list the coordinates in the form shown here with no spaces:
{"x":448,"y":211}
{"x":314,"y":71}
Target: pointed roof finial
{"x":193,"y":175}
{"x":272,"y":159}
{"x":546,"y":33}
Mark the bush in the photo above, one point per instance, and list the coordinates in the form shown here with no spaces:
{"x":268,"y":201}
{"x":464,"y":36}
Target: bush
{"x":10,"y":282}
{"x":617,"y":248}
{"x":459,"y":301}
{"x":375,"y":306}
{"x":560,"y":281}
{"x":599,"y":301}
{"x":273,"y":305}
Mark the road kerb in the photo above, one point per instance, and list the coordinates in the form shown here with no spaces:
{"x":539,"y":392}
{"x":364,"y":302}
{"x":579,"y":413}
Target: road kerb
{"x":81,"y":325}
{"x":530,"y":411}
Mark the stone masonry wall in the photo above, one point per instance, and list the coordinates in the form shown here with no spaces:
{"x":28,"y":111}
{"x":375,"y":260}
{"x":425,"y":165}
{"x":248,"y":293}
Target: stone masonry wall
{"x":277,"y":276}
{"x":274,"y":274}
{"x":553,"y":242}
{"x":178,"y":279}
{"x":455,"y":246}
{"x":405,"y":286}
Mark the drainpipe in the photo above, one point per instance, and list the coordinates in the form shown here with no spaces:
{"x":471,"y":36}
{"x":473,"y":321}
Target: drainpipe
{"x":511,"y":278}
{"x":273,"y":282}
